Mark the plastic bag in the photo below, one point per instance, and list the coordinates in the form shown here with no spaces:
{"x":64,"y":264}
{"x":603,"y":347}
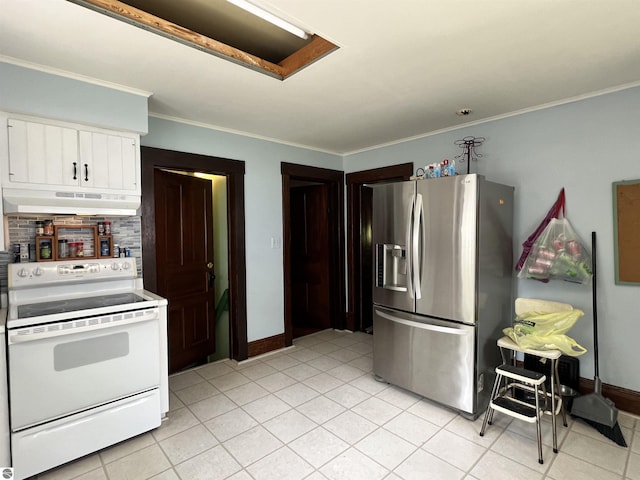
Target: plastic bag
{"x":554,"y":212}
{"x":546,"y":331}
{"x":558,"y":254}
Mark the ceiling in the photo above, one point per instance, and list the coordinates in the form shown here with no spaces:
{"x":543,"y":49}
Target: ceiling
{"x":402,"y":70}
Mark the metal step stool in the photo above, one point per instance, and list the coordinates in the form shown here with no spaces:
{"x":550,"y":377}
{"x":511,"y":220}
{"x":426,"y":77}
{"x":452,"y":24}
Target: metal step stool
{"x":503,"y":400}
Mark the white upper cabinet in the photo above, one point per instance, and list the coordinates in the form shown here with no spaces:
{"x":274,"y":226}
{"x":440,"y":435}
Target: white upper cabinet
{"x":41,"y":154}
{"x":50,"y":155}
{"x":107,"y":161}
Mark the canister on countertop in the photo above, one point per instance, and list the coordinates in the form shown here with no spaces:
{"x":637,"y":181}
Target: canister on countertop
{"x":63,"y":248}
{"x":104,"y":247}
{"x":48,"y":227}
{"x":116,"y":250}
{"x":45,"y":249}
{"x":107,"y":228}
{"x":39,"y":227}
{"x":76,"y":249}
{"x":25,"y":252}
{"x":100,"y":228}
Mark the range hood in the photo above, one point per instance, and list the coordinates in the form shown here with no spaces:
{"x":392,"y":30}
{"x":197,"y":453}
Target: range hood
{"x":33,"y":201}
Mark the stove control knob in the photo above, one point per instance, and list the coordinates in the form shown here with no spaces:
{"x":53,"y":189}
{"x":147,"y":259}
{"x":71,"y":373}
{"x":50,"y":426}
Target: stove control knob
{"x":23,"y":272}
{"x":126,"y":265}
{"x":38,"y":271}
{"x":115,"y":266}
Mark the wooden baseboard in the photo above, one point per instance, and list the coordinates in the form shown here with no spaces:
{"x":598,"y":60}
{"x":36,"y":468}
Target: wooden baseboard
{"x":349,"y":321}
{"x":266,"y":345}
{"x":623,"y":398}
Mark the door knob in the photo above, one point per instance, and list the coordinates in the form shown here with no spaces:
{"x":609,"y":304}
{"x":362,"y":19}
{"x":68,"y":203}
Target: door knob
{"x":210,"y":265}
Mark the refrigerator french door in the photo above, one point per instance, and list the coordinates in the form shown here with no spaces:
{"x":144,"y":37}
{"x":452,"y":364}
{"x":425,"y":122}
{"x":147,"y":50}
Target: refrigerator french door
{"x":442,"y":286}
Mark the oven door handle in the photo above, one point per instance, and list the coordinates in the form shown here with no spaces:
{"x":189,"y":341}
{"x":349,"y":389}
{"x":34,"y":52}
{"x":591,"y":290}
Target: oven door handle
{"x":32,"y":334}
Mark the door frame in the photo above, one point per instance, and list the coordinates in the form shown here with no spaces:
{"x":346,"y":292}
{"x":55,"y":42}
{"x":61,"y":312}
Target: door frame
{"x":335,"y":181}
{"x":355,"y":181}
{"x":153,"y":158}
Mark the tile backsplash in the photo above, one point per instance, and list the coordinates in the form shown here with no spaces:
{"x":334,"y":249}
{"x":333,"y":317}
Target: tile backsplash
{"x":126,"y":232}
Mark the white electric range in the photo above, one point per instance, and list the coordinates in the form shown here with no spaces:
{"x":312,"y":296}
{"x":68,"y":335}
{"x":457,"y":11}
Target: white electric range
{"x":87,"y":359}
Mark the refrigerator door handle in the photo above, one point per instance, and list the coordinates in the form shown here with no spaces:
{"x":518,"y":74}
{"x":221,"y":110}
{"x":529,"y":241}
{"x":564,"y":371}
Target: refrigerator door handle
{"x":415,"y":244}
{"x":424,"y":326}
{"x":408,"y":246}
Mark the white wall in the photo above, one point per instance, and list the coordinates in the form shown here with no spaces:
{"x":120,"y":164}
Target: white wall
{"x":34,"y":92}
{"x":43,"y":94}
{"x":583,"y":146}
{"x":263,"y":207}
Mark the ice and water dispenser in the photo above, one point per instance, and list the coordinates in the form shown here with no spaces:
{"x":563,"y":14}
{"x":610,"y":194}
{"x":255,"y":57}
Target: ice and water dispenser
{"x":391,"y":267}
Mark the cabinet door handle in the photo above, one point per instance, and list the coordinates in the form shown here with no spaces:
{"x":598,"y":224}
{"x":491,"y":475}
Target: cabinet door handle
{"x":75,"y":171}
{"x":86,"y":172}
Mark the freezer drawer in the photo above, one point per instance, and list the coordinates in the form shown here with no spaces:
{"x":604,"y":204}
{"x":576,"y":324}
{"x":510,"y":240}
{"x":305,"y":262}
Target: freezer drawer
{"x":430,"y":357}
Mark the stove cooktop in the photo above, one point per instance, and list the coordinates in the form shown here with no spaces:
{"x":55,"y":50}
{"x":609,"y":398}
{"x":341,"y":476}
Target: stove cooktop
{"x":76,"y":304}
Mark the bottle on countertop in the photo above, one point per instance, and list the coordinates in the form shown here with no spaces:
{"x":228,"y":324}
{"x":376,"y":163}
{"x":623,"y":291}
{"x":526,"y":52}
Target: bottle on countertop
{"x":104,"y":247}
{"x":48,"y":227}
{"x":45,"y":249}
{"x":63,"y":248}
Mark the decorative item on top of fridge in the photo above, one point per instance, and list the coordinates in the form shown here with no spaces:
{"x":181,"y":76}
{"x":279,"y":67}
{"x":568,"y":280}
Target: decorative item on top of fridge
{"x":558,"y":254}
{"x":468,"y":145}
{"x":446,"y":168}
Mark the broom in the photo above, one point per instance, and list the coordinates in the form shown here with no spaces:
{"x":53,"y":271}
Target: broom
{"x":596,"y":410}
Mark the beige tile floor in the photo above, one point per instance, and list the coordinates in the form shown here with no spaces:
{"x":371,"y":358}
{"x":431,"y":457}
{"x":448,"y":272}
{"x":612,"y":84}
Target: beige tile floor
{"x":313,"y":411}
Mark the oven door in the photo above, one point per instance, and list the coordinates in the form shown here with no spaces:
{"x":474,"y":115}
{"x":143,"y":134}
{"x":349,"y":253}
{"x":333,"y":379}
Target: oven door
{"x":63,"y":368}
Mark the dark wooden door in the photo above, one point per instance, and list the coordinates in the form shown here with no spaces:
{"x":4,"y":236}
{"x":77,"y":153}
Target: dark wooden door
{"x":310,"y":259}
{"x":360,"y":249}
{"x":184,"y":256}
{"x":366,"y":256}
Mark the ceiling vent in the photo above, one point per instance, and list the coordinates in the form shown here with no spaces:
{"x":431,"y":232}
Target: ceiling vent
{"x":222,"y":29}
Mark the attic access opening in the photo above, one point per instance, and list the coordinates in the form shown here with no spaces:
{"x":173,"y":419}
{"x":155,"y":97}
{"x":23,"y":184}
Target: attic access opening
{"x":222,"y":29}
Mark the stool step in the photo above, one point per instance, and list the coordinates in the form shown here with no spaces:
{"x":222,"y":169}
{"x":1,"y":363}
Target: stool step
{"x":514,"y":408}
{"x":521,"y":374}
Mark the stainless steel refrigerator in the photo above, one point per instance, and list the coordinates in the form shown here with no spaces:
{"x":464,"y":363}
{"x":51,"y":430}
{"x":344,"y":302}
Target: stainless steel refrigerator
{"x":442,"y":286}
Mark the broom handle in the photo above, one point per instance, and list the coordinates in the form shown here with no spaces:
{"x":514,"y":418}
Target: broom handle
{"x":595,"y":304}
